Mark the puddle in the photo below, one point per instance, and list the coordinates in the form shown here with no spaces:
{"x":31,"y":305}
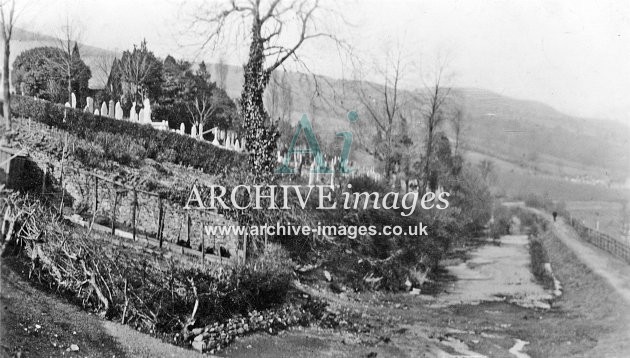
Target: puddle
{"x":516,"y":349}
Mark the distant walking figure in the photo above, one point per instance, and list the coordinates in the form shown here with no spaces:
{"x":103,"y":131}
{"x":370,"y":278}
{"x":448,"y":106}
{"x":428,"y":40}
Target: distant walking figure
{"x":555,"y":214}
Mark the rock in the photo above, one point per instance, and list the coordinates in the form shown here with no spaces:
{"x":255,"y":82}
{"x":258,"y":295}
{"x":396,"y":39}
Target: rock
{"x":198,"y":346}
{"x":73,"y":348}
{"x":328,"y":276}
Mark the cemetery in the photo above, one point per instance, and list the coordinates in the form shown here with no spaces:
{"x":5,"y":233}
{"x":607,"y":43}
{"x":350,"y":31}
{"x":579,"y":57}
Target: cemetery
{"x":215,"y":193}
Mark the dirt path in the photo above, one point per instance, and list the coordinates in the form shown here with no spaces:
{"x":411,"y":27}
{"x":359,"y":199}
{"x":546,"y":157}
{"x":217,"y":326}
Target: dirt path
{"x":614,"y":270}
{"x":612,"y":308}
{"x":497,"y":273}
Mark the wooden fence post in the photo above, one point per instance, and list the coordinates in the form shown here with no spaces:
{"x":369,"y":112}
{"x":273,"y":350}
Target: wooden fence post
{"x":203,"y":248}
{"x":133,"y":212}
{"x":95,"y":194}
{"x":160,"y":221}
{"x":244,"y":248}
{"x":187,"y":228}
{"x":43,"y":180}
{"x":114,"y":211}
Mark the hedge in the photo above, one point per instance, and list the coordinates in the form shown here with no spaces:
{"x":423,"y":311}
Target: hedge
{"x":182,"y":149}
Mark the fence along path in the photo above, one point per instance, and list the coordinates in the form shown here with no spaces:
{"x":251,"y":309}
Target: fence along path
{"x":603,"y":241}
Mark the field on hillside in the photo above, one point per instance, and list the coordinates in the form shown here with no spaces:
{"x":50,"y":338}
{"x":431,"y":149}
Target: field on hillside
{"x":609,"y":215}
{"x":513,"y":181}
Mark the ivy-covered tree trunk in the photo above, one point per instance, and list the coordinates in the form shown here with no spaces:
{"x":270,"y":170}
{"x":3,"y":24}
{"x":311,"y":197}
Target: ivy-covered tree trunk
{"x":260,"y":135}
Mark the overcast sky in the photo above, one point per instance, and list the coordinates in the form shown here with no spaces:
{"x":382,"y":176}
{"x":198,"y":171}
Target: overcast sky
{"x":572,"y":55}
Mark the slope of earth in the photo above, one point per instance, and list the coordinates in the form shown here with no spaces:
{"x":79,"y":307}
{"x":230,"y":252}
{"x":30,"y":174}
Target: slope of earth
{"x":35,"y":323}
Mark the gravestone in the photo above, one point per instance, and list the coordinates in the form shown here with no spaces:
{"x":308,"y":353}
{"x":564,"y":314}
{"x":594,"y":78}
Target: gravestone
{"x":86,"y":108}
{"x":67,"y":105}
{"x":182,"y":129}
{"x":147,"y":111}
{"x":90,"y":104}
{"x":311,"y":174}
{"x":237,"y":146}
{"x":74,"y":101}
{"x":111,"y":108}
{"x":133,"y":115}
{"x":104,"y":110}
{"x":118,"y":113}
{"x":97,"y":112}
{"x":215,"y":132}
{"x":193,"y":131}
{"x":141,"y":116}
{"x":200,"y":131}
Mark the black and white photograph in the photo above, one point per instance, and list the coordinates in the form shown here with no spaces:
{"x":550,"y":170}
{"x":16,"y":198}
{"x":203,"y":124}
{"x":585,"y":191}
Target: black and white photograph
{"x":315,"y":178}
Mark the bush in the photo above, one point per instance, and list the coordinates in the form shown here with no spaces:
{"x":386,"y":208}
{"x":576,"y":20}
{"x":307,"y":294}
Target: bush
{"x":118,"y":137}
{"x":364,"y":183}
{"x":539,"y":257}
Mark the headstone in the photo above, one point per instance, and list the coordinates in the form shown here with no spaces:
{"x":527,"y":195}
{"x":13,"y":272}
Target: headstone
{"x":182,"y":129}
{"x":147,"y":111}
{"x":215,"y":132}
{"x":118,"y":113}
{"x":237,"y":146}
{"x":104,"y":110}
{"x":111,"y":108}
{"x":74,"y":101}
{"x":403,"y":185}
{"x":86,"y":108}
{"x":141,"y":115}
{"x":311,"y":174}
{"x":132,"y":112}
{"x":200,"y":131}
{"x":97,"y":112}
{"x":67,"y":105}
{"x":193,"y":131}
{"x":90,"y":104}
{"x":280,"y":158}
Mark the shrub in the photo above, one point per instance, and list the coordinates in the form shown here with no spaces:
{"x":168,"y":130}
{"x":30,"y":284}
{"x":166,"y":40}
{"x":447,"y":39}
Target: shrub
{"x":364,"y":183}
{"x":539,"y":257}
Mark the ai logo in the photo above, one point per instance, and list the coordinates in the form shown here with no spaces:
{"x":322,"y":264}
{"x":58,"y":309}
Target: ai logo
{"x":304,"y":125}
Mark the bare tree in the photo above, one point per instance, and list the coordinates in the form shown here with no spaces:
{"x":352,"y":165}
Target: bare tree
{"x":66,"y":63}
{"x":276,"y":31}
{"x":457,"y":122}
{"x":433,"y":113}
{"x":200,"y":109}
{"x":383,"y":104}
{"x":222,"y":73}
{"x":105,"y":61}
{"x":7,"y":11}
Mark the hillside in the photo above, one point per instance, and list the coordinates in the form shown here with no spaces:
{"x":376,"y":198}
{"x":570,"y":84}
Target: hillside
{"x":525,"y":133}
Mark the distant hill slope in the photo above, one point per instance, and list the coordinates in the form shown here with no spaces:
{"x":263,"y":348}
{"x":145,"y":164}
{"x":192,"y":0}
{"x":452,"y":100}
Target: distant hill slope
{"x":519,"y":131}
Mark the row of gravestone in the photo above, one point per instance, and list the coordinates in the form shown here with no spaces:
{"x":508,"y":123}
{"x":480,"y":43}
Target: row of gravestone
{"x":115,"y":110}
